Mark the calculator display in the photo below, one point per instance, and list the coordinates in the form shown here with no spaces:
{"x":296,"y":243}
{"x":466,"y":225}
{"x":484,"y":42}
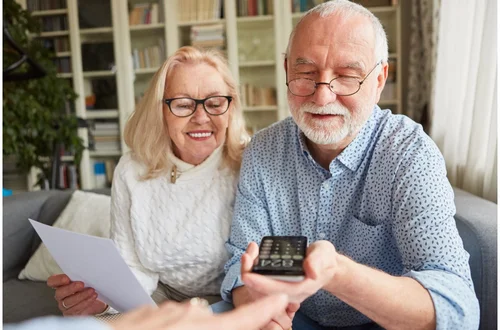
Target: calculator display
{"x":281,"y":255}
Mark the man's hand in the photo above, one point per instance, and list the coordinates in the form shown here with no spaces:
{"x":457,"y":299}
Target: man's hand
{"x":320,"y":267}
{"x":186,"y":316}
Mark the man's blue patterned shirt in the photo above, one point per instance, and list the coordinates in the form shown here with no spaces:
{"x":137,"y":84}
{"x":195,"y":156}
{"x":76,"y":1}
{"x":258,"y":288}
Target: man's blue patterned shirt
{"x":385,"y":202}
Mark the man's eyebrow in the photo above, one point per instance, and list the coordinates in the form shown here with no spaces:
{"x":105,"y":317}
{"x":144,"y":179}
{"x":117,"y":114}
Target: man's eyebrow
{"x":357,"y":65}
{"x":302,"y":60}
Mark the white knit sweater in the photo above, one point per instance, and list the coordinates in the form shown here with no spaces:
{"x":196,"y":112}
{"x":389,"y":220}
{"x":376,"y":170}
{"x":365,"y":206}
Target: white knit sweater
{"x":174,"y":233}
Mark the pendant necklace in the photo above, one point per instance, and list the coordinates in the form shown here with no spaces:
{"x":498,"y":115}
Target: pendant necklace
{"x":174,"y":175}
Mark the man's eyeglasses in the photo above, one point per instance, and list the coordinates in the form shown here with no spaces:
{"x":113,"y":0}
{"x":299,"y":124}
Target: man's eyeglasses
{"x":186,"y":106}
{"x":341,"y":86}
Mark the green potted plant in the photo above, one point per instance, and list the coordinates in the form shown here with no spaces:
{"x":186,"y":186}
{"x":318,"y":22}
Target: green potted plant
{"x":35,"y":118}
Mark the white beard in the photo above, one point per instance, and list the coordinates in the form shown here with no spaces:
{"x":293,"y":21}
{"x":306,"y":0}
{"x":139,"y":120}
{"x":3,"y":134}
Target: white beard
{"x":322,"y":131}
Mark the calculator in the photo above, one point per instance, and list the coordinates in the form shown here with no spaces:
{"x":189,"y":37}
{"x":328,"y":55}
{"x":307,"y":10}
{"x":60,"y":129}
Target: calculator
{"x":282,"y":257}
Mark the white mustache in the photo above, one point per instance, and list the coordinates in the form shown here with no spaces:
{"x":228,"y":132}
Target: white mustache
{"x":326,"y":110}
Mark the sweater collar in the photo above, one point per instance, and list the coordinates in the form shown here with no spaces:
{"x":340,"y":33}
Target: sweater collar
{"x":186,"y":170}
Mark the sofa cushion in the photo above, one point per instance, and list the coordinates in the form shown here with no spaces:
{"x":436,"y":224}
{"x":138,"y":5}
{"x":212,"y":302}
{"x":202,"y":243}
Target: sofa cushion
{"x":18,"y":234}
{"x":86,"y":213}
{"x":50,"y":211}
{"x":24,"y":300}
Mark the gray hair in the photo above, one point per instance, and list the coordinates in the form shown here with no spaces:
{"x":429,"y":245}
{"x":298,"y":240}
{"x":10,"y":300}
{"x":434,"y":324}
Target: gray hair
{"x":349,"y":9}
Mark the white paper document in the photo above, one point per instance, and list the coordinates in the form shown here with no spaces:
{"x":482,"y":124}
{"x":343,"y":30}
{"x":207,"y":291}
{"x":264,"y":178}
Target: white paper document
{"x":96,"y":262}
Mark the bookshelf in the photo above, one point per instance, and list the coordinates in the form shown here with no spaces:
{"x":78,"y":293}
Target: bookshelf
{"x":132,"y":39}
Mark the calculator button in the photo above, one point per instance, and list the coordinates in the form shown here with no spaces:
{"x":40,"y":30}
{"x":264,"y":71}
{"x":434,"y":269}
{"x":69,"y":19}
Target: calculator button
{"x":264,"y":256}
{"x":295,"y":257}
{"x":286,"y":256}
{"x":275,"y":256}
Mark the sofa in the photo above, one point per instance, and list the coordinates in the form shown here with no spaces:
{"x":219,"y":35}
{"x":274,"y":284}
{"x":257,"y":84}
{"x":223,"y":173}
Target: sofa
{"x":23,"y":299}
{"x":476,"y":221}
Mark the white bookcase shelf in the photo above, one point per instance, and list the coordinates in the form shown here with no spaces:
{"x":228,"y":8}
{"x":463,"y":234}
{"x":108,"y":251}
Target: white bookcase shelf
{"x":102,"y":114}
{"x":96,"y":74}
{"x":204,"y":22}
{"x":52,"y":34}
{"x":254,"y":46}
{"x":102,"y":154}
{"x":251,"y":64}
{"x":146,"y":71}
{"x":52,"y":12}
{"x":100,"y":30}
{"x":63,"y":54}
{"x":252,"y":19}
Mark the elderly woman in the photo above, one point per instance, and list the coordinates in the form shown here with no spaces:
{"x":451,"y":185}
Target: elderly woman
{"x":172,"y":195}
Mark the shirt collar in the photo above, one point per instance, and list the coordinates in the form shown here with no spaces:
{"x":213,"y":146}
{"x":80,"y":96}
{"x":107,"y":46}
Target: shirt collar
{"x":355,"y":152}
{"x":302,"y":141}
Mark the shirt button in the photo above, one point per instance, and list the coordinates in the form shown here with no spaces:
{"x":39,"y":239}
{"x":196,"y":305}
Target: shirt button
{"x":322,"y":235}
{"x":327,"y":185}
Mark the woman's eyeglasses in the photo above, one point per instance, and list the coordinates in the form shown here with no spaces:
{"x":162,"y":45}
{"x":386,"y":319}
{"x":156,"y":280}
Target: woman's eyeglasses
{"x":186,"y":106}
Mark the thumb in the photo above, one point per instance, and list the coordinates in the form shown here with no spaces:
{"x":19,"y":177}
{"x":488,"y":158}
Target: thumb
{"x":320,"y":257}
{"x":251,"y":316}
{"x":313,"y":263}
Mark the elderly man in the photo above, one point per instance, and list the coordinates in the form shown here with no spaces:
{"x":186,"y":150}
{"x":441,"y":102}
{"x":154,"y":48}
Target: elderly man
{"x":369,"y":188}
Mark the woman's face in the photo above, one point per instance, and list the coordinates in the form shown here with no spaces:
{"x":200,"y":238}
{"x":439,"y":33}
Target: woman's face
{"x":194,"y":138}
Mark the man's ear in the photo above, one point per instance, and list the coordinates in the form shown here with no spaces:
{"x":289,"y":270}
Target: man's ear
{"x":381,"y":79}
{"x":382,"y":76}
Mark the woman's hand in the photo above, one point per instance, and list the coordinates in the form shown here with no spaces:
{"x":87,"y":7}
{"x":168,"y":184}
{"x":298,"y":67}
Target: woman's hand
{"x":73,"y":298}
{"x":245,"y":294}
{"x":188,"y":316}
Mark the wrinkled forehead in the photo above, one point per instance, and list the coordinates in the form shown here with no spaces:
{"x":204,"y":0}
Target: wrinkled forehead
{"x":334,"y":35}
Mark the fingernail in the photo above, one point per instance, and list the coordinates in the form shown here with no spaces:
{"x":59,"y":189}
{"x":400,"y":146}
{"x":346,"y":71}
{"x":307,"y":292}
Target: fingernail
{"x":194,"y":301}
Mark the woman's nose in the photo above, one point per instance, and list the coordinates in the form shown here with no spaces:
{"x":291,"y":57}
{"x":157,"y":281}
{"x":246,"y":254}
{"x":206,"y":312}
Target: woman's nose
{"x":200,"y":115}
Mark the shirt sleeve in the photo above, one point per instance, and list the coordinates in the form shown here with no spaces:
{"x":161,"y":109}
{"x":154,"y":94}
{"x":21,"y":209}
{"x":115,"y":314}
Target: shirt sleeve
{"x":431,"y":249}
{"x":121,"y":231}
{"x":251,"y":221}
{"x":59,"y":323}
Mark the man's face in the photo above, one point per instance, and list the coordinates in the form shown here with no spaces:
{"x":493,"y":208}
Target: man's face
{"x":327,"y":48}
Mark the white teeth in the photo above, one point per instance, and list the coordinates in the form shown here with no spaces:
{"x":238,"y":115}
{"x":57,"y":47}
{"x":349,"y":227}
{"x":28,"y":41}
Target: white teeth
{"x":200,"y":135}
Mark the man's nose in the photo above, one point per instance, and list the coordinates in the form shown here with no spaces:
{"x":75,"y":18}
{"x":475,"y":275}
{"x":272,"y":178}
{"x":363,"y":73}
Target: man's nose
{"x":323,"y":94}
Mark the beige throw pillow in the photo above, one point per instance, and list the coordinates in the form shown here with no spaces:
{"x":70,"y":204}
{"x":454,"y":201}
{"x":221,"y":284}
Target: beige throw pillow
{"x":86,"y":213}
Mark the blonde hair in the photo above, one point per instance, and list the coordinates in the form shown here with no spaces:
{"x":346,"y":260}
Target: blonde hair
{"x":146,"y":132}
